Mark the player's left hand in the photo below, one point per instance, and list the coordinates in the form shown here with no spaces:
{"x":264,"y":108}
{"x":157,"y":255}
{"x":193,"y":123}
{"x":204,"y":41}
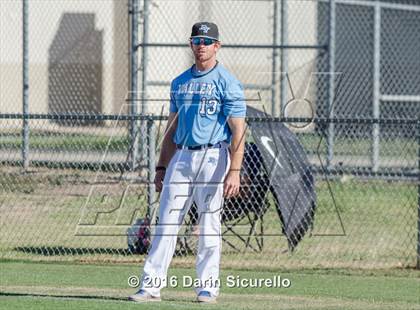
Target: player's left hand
{"x":232,"y":184}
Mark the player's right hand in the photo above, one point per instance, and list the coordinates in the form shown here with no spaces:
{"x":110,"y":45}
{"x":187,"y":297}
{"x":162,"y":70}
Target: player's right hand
{"x":160,"y":175}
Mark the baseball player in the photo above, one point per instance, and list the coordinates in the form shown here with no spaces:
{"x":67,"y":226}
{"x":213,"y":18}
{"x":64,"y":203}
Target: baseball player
{"x":200,"y":162}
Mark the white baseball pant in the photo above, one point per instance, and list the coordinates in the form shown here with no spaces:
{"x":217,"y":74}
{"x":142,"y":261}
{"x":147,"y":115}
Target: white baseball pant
{"x":192,"y":176}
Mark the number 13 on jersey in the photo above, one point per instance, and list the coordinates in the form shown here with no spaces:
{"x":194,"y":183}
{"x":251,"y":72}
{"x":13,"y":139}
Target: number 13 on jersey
{"x":208,"y":106}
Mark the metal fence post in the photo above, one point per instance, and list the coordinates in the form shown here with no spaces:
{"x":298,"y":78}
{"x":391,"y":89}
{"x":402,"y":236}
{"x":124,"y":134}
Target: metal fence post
{"x":376,"y":86}
{"x":274,"y":60}
{"x":25,"y":85}
{"x":144,"y":50}
{"x":283,"y":60}
{"x":331,"y":71}
{"x":418,"y":192}
{"x":134,"y":84}
{"x":144,"y":61}
{"x":151,"y":149}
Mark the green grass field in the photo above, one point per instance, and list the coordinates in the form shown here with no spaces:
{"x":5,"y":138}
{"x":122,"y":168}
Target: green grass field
{"x":67,"y":142}
{"x":364,"y":264}
{"x":29,"y":285}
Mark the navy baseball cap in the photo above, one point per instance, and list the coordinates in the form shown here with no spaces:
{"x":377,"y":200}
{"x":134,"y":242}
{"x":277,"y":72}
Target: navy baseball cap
{"x":205,"y":30}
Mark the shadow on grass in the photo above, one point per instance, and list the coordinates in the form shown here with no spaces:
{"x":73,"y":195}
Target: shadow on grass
{"x":12,"y":294}
{"x":85,"y":297}
{"x":62,"y":251}
{"x":59,"y":250}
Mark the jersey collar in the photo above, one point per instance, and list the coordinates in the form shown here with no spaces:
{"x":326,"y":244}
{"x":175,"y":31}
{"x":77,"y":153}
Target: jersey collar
{"x":195,"y":74}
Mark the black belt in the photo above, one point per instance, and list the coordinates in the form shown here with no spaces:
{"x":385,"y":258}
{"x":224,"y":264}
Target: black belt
{"x":199,"y":147}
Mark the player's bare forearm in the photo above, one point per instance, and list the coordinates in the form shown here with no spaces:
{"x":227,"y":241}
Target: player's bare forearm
{"x":232,"y":181}
{"x":168,"y":145}
{"x":167,"y":151}
{"x":237,"y":146}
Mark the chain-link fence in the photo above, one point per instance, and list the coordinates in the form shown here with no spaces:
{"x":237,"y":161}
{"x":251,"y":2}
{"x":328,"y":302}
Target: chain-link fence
{"x":79,"y":206}
{"x":77,"y":158}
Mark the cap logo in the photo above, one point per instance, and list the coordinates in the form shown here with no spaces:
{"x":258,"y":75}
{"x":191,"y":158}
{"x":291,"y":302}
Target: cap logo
{"x":204,"y":28}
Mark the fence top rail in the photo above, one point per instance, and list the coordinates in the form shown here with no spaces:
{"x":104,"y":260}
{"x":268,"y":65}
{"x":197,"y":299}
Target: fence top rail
{"x":251,"y":46}
{"x":125,"y":117}
{"x":380,"y":4}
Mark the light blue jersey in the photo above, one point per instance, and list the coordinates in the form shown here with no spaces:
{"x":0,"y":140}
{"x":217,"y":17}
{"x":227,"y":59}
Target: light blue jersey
{"x":204,"y":101}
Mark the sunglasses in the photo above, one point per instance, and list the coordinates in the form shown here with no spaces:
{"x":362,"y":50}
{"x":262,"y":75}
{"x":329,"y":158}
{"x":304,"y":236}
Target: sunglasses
{"x":205,"y":41}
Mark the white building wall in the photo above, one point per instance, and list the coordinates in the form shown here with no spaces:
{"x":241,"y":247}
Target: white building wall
{"x":44,"y":21}
{"x":247,"y":22}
